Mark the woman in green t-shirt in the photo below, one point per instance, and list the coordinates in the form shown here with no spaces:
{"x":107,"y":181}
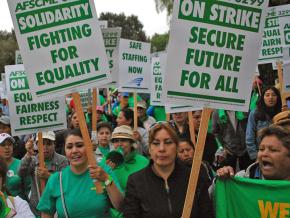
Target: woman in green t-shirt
{"x":15,"y":185}
{"x":72,"y":192}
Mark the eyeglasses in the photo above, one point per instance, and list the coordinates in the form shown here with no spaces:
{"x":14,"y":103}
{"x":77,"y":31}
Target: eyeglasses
{"x":120,"y":140}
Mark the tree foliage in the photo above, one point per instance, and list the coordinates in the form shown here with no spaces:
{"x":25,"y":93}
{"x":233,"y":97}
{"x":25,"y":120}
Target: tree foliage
{"x":8,"y":46}
{"x":132,"y":28}
{"x":164,"y":5}
{"x":159,"y":42}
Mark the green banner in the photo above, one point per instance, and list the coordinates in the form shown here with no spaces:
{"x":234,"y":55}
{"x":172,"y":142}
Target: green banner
{"x":252,"y":198}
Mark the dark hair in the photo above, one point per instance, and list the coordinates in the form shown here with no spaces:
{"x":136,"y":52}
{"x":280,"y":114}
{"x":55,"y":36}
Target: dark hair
{"x":166,"y":126}
{"x":265,"y":113}
{"x":3,"y":173}
{"x":129,"y":115}
{"x":104,"y":125}
{"x":283,"y":134}
{"x":74,"y":132}
{"x":187,"y":141}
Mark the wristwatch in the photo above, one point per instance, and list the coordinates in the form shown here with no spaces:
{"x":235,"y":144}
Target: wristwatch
{"x":109,"y":181}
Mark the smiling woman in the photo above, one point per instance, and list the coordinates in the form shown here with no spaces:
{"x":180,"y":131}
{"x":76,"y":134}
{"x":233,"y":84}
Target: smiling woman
{"x":64,"y":189}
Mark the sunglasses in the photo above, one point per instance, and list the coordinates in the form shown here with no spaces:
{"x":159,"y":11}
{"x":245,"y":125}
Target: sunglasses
{"x":159,"y":123}
{"x":120,"y":140}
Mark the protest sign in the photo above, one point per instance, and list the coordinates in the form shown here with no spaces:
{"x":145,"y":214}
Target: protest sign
{"x":286,"y":77}
{"x":86,"y":98}
{"x":18,"y":58}
{"x":208,"y":62}
{"x":3,"y":91}
{"x":169,"y":108}
{"x":272,"y":43}
{"x":158,"y":63}
{"x":157,"y":77}
{"x":242,"y":197}
{"x":284,"y":23}
{"x":111,"y":38}
{"x":61,"y":45}
{"x":28,"y":115}
{"x":103,"y":24}
{"x":134,"y":66}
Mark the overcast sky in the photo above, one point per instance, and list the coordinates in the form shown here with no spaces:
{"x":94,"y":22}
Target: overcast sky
{"x":144,"y":9}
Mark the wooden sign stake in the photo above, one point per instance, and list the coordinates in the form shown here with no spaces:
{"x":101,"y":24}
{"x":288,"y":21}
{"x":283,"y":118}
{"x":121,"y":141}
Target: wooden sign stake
{"x":168,"y":117}
{"x":109,"y":101}
{"x":41,"y":159}
{"x":192,"y":183}
{"x":135,"y":112}
{"x":86,"y":136}
{"x":281,"y":81}
{"x":94,"y":111}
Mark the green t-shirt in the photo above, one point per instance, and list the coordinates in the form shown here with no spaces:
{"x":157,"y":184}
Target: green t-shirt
{"x":102,"y":100}
{"x":133,"y":163}
{"x":104,"y":150}
{"x":159,"y":113}
{"x":80,"y":195}
{"x":14,"y":184}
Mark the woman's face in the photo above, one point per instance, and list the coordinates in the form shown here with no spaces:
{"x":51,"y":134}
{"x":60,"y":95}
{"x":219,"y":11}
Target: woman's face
{"x":104,"y":136}
{"x":185,"y":152}
{"x":270,"y":98}
{"x":179,"y":117}
{"x":274,"y":159}
{"x":163,"y":149}
{"x":6,"y":149}
{"x":125,"y":144}
{"x":75,"y":151}
{"x":75,"y":121}
{"x":121,"y":120}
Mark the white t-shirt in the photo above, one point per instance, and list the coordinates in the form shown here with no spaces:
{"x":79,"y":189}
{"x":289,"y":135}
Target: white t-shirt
{"x":21,"y":207}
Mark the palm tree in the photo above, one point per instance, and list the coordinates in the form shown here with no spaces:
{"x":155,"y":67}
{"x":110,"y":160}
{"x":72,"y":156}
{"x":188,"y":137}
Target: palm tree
{"x":164,"y":4}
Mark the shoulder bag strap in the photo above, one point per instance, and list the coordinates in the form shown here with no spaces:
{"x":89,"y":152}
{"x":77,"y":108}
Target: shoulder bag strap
{"x":62,"y":195}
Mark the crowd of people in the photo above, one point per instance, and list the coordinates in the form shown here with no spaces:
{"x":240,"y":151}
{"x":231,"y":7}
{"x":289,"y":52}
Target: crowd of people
{"x":143,"y":171}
